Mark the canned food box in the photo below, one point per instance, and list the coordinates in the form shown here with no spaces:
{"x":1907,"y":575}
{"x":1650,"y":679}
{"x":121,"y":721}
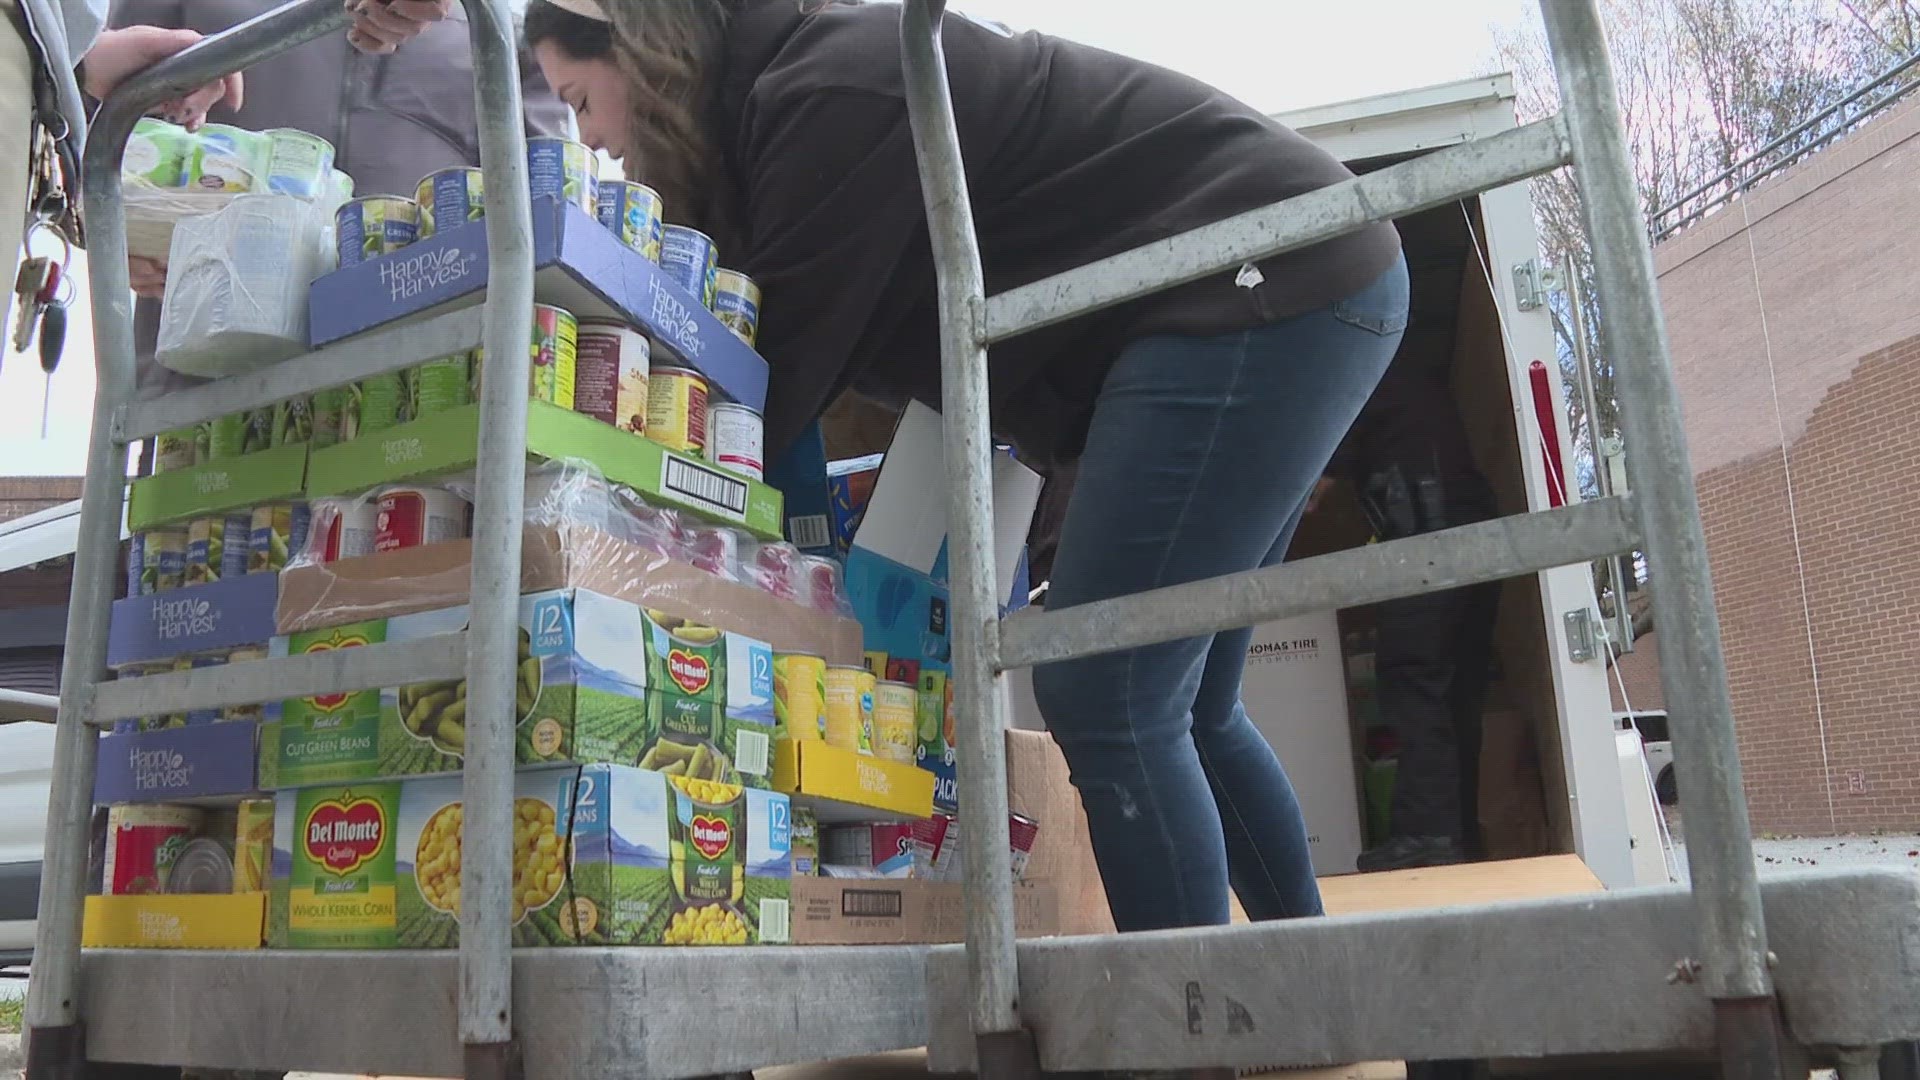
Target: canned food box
{"x":375,"y":225}
{"x":258,"y":432}
{"x":343,"y":529}
{"x":227,"y":437}
{"x":690,"y":260}
{"x":411,"y":516}
{"x":736,"y":439}
{"x":677,"y":409}
{"x":564,"y":169}
{"x":298,"y":163}
{"x":605,"y":855}
{"x":703,"y":740}
{"x":160,"y":722}
{"x":555,"y":355}
{"x":635,"y":214}
{"x":450,"y":197}
{"x":611,"y":366}
{"x":278,"y":532}
{"x":806,"y":842}
{"x":180,"y":449}
{"x":143,"y":844}
{"x":163,"y":556}
{"x":157,"y":153}
{"x":229,"y":159}
{"x":438,"y":386}
{"x":885,"y":848}
{"x":736,"y":302}
{"x":293,"y":422}
{"x":581,"y":685}
{"x":799,"y":695}
{"x":936,"y":844}
{"x":849,"y":708}
{"x":374,"y":405}
{"x":330,"y":416}
{"x":708,"y":663}
{"x":217,"y":548}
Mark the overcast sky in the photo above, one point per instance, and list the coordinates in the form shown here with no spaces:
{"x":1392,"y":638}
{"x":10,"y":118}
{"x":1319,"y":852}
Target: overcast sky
{"x":1274,"y":54}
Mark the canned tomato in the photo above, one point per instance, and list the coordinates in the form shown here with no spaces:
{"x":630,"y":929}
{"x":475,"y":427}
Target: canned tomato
{"x":252,"y":845}
{"x":736,"y":439}
{"x":227,"y":437}
{"x":229,"y":159}
{"x":143,"y":843}
{"x":825,"y":591}
{"x":179,"y":449}
{"x":251,"y":712}
{"x":564,"y":169}
{"x":715,"y":550}
{"x":438,"y":386}
{"x":164,"y":558}
{"x":330,"y":416}
{"x":344,"y":528}
{"x":195,"y":663}
{"x":799,"y":695}
{"x":610,"y":375}
{"x":298,"y":163}
{"x":412,"y":516}
{"x":449,"y":198}
{"x":776,"y":569}
{"x":376,"y":225}
{"x":635,"y":214}
{"x":690,"y":260}
{"x":894,"y":708}
{"x":279,"y":531}
{"x":555,"y":356}
{"x":848,"y":708}
{"x":736,"y":302}
{"x":677,"y":409}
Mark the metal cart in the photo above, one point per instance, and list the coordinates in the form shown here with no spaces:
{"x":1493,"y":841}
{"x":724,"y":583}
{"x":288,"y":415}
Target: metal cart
{"x":1829,"y":971}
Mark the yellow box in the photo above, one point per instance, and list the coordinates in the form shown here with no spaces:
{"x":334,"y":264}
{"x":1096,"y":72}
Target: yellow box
{"x":828,"y":772}
{"x":233,"y":921}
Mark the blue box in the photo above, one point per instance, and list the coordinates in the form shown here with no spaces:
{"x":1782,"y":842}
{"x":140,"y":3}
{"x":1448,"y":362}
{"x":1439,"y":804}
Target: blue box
{"x":227,"y":614}
{"x":800,"y":475}
{"x":580,"y":266}
{"x":177,"y":763}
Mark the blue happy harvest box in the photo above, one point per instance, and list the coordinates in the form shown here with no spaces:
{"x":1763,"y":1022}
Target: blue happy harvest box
{"x":177,"y":763}
{"x":227,"y":614}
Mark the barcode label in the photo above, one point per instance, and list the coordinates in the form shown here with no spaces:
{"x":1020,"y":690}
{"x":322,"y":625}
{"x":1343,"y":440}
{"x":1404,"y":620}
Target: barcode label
{"x":871,"y":903}
{"x":711,"y":490}
{"x":750,"y":752}
{"x":811,"y":531}
{"x":776,"y":921}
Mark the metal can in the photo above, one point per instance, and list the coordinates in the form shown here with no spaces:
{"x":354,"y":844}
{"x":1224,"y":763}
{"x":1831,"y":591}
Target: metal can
{"x":298,"y":163}
{"x":205,"y":866}
{"x":257,"y":435}
{"x":412,"y":516}
{"x":252,"y":845}
{"x":611,"y":366}
{"x":374,"y":405}
{"x":566,"y":170}
{"x":707,"y":848}
{"x":179,"y":449}
{"x":690,"y":260}
{"x":931,"y":734}
{"x":714,"y":549}
{"x":799,"y":695}
{"x":143,"y":844}
{"x":736,"y":302}
{"x":449,"y":198}
{"x":343,"y":529}
{"x":279,"y":531}
{"x":206,"y":549}
{"x":196,"y":717}
{"x":438,"y":386}
{"x":374,"y":225}
{"x":636,"y":215}
{"x":251,"y":712}
{"x":227,"y":437}
{"x":137,"y":584}
{"x":736,"y":439}
{"x":805,"y":838}
{"x":293,"y":422}
{"x":848,"y":708}
{"x":229,"y":159}
{"x":236,"y":544}
{"x":677,"y":409}
{"x":164,"y":559}
{"x":555,"y":355}
{"x":894,"y":708}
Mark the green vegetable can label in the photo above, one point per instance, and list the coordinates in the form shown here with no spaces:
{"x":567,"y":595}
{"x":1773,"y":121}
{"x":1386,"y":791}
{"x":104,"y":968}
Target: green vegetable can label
{"x":330,"y":737}
{"x":341,"y":891}
{"x":439,"y":386}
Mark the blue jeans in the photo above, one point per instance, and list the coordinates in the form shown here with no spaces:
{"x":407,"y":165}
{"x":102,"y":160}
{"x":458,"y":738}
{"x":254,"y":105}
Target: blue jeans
{"x":1199,"y":462}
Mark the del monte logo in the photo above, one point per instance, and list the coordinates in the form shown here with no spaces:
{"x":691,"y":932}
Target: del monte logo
{"x":711,"y":835}
{"x":690,"y":671}
{"x":334,"y":702}
{"x":343,"y":834}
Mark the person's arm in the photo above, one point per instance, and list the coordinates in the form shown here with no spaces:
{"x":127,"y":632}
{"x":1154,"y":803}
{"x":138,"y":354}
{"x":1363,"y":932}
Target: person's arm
{"x":381,"y":26}
{"x":833,"y":195}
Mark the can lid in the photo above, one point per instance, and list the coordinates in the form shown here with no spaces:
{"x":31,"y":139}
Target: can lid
{"x":849,"y":667}
{"x":807,"y":655}
{"x":896,"y":682}
{"x":685,"y":372}
{"x":204,"y":866}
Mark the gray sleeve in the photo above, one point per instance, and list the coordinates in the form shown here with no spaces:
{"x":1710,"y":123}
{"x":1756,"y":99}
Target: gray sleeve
{"x":84,"y":20}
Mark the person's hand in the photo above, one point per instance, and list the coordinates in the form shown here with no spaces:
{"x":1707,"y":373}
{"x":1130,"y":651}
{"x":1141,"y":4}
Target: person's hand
{"x":118,"y":54}
{"x":147,"y":276}
{"x":381,"y":26}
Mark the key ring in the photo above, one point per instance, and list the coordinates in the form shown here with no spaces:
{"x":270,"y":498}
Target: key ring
{"x":42,"y":223}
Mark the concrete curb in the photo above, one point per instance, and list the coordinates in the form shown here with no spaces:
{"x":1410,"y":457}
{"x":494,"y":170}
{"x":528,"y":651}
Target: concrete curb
{"x":13,"y":1054}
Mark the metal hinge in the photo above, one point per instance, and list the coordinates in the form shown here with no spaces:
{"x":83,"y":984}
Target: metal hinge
{"x":1583,"y":643}
{"x":1529,"y":290}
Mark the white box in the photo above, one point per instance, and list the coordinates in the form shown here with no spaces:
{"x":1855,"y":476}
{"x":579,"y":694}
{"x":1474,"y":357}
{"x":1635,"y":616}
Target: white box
{"x":1295,"y":690}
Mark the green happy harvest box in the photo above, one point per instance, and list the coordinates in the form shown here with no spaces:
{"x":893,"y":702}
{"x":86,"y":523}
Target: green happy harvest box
{"x":585,"y":665}
{"x":603,"y":855}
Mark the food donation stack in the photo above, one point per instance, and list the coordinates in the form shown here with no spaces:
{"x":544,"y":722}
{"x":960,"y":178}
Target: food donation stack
{"x":702,"y":725}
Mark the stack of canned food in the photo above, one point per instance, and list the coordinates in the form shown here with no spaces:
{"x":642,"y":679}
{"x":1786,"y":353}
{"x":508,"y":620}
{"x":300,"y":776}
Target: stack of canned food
{"x":230,"y":160}
{"x":161,"y":848}
{"x":850,"y":707}
{"x":247,"y":541}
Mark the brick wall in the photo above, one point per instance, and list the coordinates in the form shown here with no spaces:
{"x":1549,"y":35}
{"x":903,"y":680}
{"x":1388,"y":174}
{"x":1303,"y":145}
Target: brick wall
{"x":1797,"y":350}
{"x":1639,"y":672}
{"x":23,"y":495}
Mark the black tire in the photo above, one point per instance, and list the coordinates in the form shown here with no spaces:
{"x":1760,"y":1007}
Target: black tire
{"x":1666,"y":787}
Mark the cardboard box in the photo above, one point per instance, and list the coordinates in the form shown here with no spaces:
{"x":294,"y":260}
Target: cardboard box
{"x":447,"y":442}
{"x":654,"y":861}
{"x":1040,"y":787}
{"x":828,"y":911}
{"x":579,"y":265}
{"x":1295,"y":689}
{"x":813,"y":769}
{"x":575,"y":556}
{"x":178,"y":763}
{"x":231,"y":613}
{"x":267,"y":476}
{"x":800,"y":474}
{"x":160,"y":921}
{"x":587,"y":664}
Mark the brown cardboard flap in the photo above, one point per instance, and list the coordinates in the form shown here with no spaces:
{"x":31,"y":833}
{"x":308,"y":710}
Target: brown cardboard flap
{"x":436,"y":576}
{"x":1039,"y":787}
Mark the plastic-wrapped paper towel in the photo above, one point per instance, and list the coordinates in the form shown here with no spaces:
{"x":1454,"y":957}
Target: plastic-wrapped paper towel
{"x":237,"y":284}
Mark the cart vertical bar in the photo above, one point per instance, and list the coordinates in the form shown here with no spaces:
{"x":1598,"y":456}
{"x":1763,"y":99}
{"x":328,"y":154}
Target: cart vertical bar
{"x":486,"y":975}
{"x":991,"y":962}
{"x":1733,"y":937}
{"x":56,"y":1047}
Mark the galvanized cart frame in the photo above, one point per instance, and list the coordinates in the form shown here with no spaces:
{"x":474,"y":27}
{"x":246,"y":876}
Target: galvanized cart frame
{"x":1843,"y":947}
